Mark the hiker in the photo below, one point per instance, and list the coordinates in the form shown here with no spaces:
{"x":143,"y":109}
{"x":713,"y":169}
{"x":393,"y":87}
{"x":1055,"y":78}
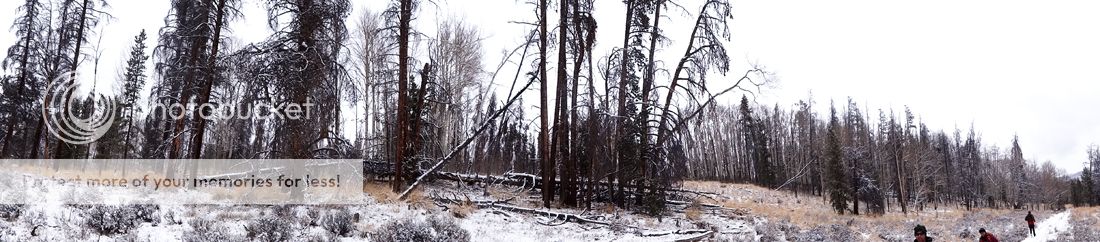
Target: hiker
{"x":921,"y":233}
{"x":1030,"y":222}
{"x":986,"y":237}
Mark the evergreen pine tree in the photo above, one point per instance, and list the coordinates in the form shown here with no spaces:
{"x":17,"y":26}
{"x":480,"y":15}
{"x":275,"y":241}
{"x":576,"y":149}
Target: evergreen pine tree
{"x":133,"y":82}
{"x":838,"y":191}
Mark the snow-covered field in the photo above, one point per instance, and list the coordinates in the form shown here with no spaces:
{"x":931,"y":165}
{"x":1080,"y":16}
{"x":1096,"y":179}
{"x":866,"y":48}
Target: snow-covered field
{"x":750,"y":214}
{"x":139,"y":217}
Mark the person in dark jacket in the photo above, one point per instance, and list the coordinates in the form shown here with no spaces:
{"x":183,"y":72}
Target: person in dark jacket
{"x":1030,"y":222}
{"x":986,"y":237}
{"x":921,"y":233}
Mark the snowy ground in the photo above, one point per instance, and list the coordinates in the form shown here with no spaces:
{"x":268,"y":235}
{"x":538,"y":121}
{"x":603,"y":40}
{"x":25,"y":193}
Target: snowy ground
{"x":54,"y":218}
{"x":1052,"y":228}
{"x":755,"y":214}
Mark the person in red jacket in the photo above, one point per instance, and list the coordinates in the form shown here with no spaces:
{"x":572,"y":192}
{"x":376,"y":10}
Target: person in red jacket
{"x":986,"y":237}
{"x":1030,"y":222}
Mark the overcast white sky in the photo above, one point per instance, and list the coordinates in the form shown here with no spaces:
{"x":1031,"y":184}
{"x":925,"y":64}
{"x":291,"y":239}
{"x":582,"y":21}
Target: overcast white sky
{"x":1009,"y":67}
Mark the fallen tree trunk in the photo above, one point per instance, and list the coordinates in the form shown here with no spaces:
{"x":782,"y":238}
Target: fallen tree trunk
{"x":563,"y":216}
{"x":567,"y":217}
{"x":702,"y":234}
{"x":465,"y":143}
{"x":524,"y":180}
{"x":696,"y":238}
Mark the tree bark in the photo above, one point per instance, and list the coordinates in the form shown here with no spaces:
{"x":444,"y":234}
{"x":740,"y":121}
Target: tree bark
{"x":402,"y":93}
{"x":204,"y":93}
{"x":547,"y":168}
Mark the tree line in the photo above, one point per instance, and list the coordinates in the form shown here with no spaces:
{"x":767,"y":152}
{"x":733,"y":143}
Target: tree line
{"x":861,"y":164}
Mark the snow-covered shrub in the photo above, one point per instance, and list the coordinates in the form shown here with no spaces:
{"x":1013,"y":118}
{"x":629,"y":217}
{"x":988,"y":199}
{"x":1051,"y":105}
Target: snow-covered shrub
{"x":285,"y":211}
{"x":110,"y":220}
{"x":269,"y":228}
{"x":169,"y":217}
{"x":835,"y":232}
{"x":447,"y":230}
{"x":146,"y":213}
{"x":203,"y":230}
{"x":775,"y":231}
{"x":311,"y":217}
{"x":323,"y":236}
{"x":338,"y":222}
{"x":10,"y":212}
{"x":437,"y":228}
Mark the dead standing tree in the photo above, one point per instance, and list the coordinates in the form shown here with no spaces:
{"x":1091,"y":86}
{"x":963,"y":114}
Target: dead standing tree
{"x":224,"y":10}
{"x":404,"y":12}
{"x":77,"y":22}
{"x":705,"y":51}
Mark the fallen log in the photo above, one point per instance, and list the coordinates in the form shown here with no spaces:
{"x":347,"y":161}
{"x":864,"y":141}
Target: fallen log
{"x":524,"y":180}
{"x":465,"y":143}
{"x":705,"y":205}
{"x":702,"y":233}
{"x":563,"y":216}
{"x":696,"y":238}
{"x":669,"y":232}
{"x":567,"y":217}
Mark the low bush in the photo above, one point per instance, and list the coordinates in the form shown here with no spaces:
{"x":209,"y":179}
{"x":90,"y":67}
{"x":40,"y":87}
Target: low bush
{"x":111,"y":220}
{"x":203,"y":230}
{"x":338,"y":221}
{"x":10,"y":212}
{"x":269,"y":228}
{"x":436,"y":228}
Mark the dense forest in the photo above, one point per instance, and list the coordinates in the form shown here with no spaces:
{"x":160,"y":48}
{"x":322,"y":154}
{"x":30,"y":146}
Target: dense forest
{"x":623,"y":128}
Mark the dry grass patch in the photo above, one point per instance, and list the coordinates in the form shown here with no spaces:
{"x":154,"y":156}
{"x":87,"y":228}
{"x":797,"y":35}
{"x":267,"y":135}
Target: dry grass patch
{"x":381,"y":192}
{"x":462,"y":210}
{"x":805,"y":211}
{"x":417,"y":200}
{"x":1087,"y":211}
{"x":692,"y":212}
{"x":609,"y":208}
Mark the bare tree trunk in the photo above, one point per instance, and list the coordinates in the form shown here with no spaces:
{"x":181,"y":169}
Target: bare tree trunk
{"x":568,"y":175}
{"x":647,"y":85}
{"x":547,"y":168}
{"x":204,"y":94}
{"x":402,"y":94}
{"x":901,"y":183}
{"x":198,"y":45}
{"x":620,"y":124}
